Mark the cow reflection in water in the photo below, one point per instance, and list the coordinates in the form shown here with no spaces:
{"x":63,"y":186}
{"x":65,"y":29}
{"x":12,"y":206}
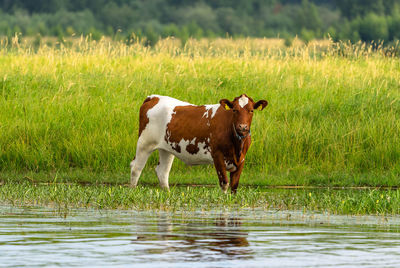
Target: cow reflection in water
{"x":196,"y":238}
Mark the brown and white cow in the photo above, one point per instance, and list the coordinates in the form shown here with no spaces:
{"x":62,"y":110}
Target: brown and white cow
{"x":216,"y":134}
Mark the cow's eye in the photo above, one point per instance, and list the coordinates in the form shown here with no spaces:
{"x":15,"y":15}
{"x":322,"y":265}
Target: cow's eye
{"x":251,"y":111}
{"x":235,"y":111}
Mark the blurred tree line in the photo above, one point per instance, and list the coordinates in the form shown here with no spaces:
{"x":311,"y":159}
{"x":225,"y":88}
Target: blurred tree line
{"x":353,"y":20}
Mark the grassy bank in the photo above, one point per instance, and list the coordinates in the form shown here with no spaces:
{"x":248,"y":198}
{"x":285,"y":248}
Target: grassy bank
{"x":189,"y":176}
{"x":333,"y":117}
{"x":68,"y":196}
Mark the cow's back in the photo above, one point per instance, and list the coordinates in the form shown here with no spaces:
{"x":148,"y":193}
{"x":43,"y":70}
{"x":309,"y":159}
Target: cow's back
{"x":178,"y":127}
{"x":155,"y":113}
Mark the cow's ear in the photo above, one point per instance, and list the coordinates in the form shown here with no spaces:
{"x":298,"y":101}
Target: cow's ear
{"x":260,"y":105}
{"x":226,"y":104}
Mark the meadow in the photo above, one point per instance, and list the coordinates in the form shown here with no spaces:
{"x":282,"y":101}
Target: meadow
{"x":70,"y":112}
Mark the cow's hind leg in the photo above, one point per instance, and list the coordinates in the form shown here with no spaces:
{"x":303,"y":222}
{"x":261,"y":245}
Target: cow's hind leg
{"x":138,"y":163}
{"x":163,"y":168}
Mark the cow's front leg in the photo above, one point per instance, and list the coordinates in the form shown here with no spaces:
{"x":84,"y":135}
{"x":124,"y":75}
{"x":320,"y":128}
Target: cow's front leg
{"x":235,"y":177}
{"x":219,"y":164}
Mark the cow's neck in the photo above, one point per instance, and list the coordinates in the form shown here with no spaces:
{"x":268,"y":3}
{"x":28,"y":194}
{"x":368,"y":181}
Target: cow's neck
{"x":238,"y":141}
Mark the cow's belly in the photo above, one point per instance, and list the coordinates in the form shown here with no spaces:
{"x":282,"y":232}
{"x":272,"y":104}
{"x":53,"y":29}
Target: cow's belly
{"x":192,"y":160}
{"x":190,"y":152}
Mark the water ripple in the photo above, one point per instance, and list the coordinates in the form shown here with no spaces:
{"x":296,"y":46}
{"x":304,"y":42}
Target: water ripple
{"x":33,"y":237}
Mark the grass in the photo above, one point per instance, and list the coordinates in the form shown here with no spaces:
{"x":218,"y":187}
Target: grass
{"x":68,"y":196}
{"x":189,"y":176}
{"x":72,"y":113}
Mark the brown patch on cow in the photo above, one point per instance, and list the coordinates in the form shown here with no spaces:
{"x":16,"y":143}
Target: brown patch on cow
{"x":188,"y":123}
{"x":192,"y":149}
{"x":176,"y":147}
{"x":206,"y":148}
{"x":147,"y":105}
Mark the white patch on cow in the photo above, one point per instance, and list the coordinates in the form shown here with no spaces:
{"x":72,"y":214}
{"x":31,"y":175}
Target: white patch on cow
{"x":230,"y":166}
{"x":203,"y":156}
{"x":167,"y":105}
{"x":206,"y":113}
{"x":243,"y":101}
{"x":213,"y":107}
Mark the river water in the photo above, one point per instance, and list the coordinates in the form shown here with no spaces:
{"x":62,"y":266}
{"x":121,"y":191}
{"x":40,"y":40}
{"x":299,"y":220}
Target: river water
{"x":38,"y":237}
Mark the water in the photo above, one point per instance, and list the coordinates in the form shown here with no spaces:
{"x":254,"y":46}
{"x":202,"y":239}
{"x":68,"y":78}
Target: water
{"x":248,"y":238}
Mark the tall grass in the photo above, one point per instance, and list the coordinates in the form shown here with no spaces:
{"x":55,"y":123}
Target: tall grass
{"x":332,"y":109}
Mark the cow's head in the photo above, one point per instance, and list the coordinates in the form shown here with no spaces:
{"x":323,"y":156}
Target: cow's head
{"x":242,"y":108}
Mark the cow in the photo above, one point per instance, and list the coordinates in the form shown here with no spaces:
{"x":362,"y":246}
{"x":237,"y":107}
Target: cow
{"x":216,"y":134}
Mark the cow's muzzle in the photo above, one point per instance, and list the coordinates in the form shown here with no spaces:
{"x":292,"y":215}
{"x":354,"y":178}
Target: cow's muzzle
{"x":242,"y":131}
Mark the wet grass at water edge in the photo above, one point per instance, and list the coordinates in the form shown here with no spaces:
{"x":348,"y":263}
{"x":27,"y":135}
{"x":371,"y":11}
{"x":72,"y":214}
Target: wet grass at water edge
{"x":206,"y":175}
{"x":68,"y":196}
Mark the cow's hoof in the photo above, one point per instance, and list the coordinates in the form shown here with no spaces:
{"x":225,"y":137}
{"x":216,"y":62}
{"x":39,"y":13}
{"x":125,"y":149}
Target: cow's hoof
{"x":165,"y":188}
{"x":225,"y":187}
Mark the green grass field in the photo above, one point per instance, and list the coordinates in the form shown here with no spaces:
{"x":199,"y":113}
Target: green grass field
{"x":71,"y":114}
